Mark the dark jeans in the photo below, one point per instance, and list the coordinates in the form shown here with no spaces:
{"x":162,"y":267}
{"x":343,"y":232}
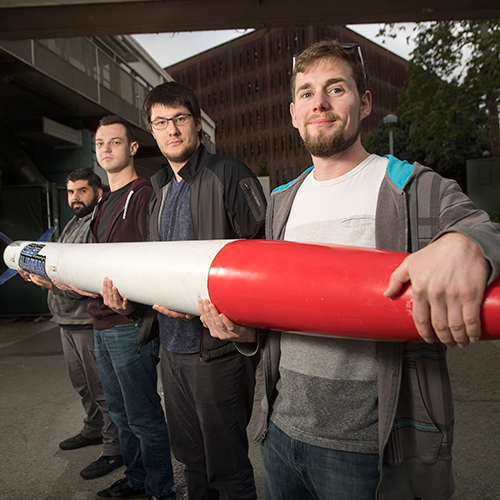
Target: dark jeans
{"x":129,"y":379}
{"x":208,"y":406}
{"x":300,"y":471}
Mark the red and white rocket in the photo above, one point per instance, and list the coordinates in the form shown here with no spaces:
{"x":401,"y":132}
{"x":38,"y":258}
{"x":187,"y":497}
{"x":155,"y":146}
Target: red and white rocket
{"x":306,"y":288}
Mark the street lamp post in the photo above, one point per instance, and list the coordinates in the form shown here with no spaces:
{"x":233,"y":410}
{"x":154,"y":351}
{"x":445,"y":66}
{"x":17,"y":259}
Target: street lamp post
{"x":389,"y":121}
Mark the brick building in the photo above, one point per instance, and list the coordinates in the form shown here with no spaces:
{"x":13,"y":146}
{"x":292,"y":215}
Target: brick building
{"x":243,"y":85}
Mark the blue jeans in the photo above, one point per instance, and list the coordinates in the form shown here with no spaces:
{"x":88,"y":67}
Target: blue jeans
{"x":129,"y":379}
{"x":293,"y":469}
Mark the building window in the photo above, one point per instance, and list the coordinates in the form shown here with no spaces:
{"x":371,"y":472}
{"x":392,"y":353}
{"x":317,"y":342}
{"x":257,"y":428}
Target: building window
{"x":285,"y":175}
{"x":242,"y":119}
{"x":293,"y":173}
{"x":258,"y":117}
{"x":291,"y":141}
{"x":223,"y":125}
{"x":277,"y":177}
{"x":244,"y":150}
{"x":256,"y":85}
{"x":282,"y":143}
{"x":279,"y":45}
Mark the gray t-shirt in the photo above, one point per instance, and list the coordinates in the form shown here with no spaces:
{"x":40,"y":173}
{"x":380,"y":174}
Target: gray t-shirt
{"x":327,"y":394}
{"x":176,"y":335}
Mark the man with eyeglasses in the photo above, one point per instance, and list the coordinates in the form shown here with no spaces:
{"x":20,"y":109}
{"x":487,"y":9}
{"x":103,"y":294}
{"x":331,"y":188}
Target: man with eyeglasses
{"x":357,"y":420}
{"x":208,"y":385}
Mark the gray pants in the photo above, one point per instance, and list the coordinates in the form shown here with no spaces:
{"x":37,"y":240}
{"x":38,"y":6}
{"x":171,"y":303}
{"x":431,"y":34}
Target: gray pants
{"x":78,"y":348}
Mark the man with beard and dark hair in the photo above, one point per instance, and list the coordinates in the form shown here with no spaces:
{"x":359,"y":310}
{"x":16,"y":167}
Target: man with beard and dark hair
{"x":350,"y":419}
{"x":69,"y":311}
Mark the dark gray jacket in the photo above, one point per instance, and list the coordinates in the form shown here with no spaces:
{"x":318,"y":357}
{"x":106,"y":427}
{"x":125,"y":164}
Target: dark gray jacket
{"x":227,"y":202}
{"x":415,"y":206}
{"x":71,"y":308}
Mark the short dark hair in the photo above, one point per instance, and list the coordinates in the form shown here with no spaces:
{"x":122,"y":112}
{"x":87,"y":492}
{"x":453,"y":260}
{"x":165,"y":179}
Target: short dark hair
{"x":331,"y":49}
{"x":171,"y":94}
{"x":85,"y":174}
{"x":115,"y":119}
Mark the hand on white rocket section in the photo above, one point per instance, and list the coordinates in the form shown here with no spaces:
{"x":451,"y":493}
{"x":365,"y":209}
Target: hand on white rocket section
{"x":222,"y":327}
{"x":448,"y":279}
{"x":112,"y":298}
{"x":172,"y":314}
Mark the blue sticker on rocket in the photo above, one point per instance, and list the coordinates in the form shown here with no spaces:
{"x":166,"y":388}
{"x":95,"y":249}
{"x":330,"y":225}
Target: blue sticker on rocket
{"x":30,"y":261}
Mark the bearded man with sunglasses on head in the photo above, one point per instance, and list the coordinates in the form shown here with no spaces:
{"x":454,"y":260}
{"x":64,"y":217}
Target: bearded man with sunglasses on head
{"x":357,"y":420}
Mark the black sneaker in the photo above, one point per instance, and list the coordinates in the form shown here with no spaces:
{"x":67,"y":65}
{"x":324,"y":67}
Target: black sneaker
{"x":102,"y":466}
{"x":121,"y":489}
{"x":78,"y":441}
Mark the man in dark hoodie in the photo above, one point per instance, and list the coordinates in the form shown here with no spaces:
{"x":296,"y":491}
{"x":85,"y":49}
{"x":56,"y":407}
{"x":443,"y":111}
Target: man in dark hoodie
{"x":128,"y":372}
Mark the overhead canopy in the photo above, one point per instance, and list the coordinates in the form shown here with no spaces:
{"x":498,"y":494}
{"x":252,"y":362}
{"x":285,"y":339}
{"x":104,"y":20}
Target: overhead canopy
{"x":22,"y":19}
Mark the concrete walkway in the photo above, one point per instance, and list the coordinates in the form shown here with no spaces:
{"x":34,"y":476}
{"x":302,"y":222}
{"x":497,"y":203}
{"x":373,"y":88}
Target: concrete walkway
{"x":39,"y":408}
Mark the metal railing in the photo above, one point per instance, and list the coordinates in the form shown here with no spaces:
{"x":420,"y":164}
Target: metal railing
{"x":87,"y":69}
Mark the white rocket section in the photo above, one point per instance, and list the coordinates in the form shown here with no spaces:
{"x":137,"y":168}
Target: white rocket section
{"x":173,"y":274}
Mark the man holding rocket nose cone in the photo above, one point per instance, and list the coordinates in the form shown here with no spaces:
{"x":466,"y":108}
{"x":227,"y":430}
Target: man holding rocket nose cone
{"x":358,"y":420}
{"x":69,"y":310}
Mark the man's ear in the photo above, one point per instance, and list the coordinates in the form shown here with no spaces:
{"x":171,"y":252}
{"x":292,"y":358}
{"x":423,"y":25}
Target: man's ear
{"x":134,"y":147}
{"x":366,"y":105}
{"x":292,"y":113}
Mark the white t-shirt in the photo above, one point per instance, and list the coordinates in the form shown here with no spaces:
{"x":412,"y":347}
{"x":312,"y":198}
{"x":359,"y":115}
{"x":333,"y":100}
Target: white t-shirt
{"x":327,"y":392}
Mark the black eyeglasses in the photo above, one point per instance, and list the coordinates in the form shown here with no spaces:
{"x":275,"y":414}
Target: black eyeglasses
{"x":345,"y":46}
{"x":179,"y":121}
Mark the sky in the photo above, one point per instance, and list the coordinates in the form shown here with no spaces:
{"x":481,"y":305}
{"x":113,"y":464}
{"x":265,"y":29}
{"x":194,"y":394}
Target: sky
{"x":170,"y":48}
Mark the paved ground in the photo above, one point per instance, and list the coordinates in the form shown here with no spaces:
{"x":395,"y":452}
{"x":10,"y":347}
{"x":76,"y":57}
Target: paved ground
{"x":39,"y":408}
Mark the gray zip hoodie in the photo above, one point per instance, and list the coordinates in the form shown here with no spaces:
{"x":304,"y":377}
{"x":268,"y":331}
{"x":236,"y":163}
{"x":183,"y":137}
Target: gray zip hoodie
{"x":415,"y":207}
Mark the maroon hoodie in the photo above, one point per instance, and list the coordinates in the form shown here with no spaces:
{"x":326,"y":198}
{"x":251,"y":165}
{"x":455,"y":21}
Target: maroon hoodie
{"x":127,"y":223}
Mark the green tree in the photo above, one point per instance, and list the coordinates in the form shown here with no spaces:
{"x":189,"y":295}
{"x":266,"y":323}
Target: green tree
{"x":466,"y":54}
{"x":448,"y":110}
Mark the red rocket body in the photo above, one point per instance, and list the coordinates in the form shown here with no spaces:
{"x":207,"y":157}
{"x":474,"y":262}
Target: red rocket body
{"x":321,"y":290}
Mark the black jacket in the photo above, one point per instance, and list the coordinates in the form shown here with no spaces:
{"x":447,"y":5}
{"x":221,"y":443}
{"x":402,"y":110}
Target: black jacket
{"x":227,"y":202}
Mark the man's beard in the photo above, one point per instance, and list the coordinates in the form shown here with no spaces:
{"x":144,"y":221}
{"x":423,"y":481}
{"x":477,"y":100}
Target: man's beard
{"x":327,"y":145}
{"x":83,"y":210}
